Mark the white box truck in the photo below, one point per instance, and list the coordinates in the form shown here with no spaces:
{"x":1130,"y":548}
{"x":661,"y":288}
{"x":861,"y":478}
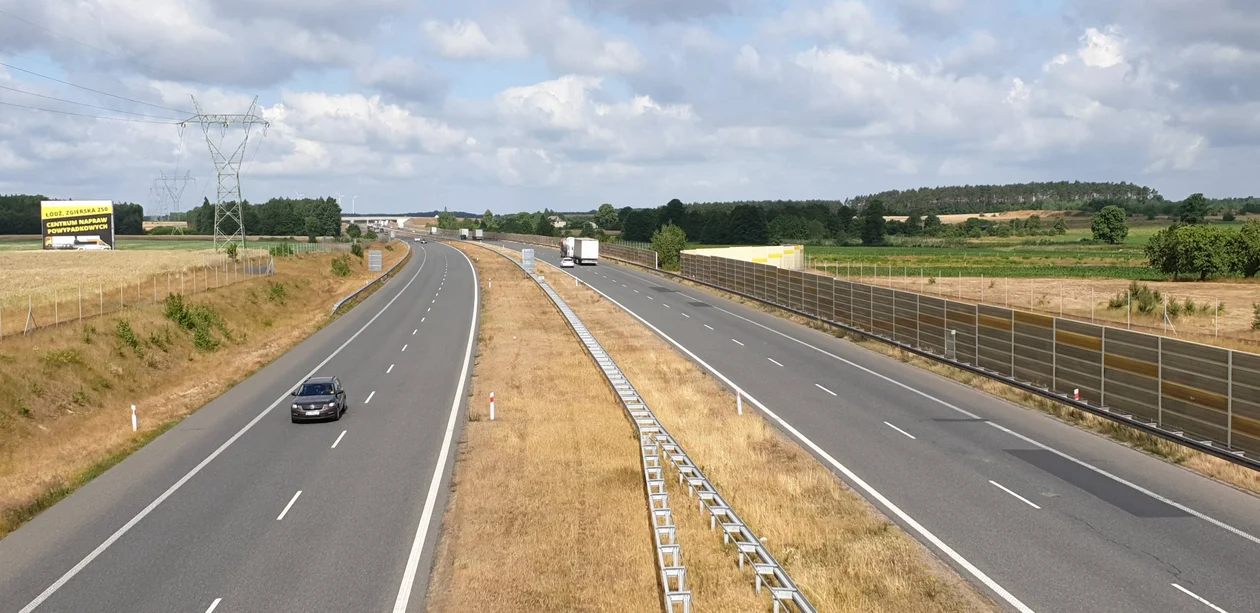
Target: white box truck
{"x":586,"y":251}
{"x":566,"y":246}
{"x":479,"y":234}
{"x":433,"y":230}
{"x":463,"y":234}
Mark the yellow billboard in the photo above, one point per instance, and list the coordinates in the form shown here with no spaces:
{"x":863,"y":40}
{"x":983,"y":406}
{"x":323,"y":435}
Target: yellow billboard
{"x":77,"y":224}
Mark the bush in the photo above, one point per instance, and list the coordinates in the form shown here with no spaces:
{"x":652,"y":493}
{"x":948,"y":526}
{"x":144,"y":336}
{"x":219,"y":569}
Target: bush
{"x":1190,"y":249}
{"x":341,"y":266}
{"x":1145,"y":299}
{"x":231,"y":251}
{"x":1228,"y":216}
{"x":1255,"y":320}
{"x":668,"y":242}
{"x":356,"y":250}
{"x":276,"y":293}
{"x":126,"y":336}
{"x":200,"y":320}
{"x":1109,"y":225}
{"x":281,"y":250}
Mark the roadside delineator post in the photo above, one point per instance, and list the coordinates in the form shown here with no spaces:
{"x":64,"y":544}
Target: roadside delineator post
{"x":1076,"y":393}
{"x":133,"y":418}
{"x":739,"y":402}
{"x":491,"y":406}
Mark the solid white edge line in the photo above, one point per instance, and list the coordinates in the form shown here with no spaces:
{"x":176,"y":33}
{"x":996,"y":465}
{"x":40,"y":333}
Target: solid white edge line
{"x":1200,"y":599}
{"x":390,"y":369}
{"x":214,"y":605}
{"x":1008,"y":491}
{"x":900,"y":430}
{"x":856,"y":480}
{"x":288,"y":506}
{"x":1215,"y":522}
{"x":196,"y":469}
{"x":776,"y":362}
{"x":825,"y":389}
{"x":339,"y":437}
{"x":369,"y":398}
{"x":422,"y":530}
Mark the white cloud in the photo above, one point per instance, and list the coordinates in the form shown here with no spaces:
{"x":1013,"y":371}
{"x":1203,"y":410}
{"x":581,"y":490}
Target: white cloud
{"x":465,"y":40}
{"x":850,"y":21}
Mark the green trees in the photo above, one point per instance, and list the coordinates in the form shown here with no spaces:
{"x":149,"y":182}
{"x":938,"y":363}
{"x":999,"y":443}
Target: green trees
{"x":1190,"y":249}
{"x":747,"y":225}
{"x":873,"y":225}
{"x":1245,"y":249}
{"x":668,"y":242}
{"x":1194,"y":210}
{"x":1060,"y":226}
{"x":913,"y":225}
{"x":354,"y":231}
{"x":639,"y":225}
{"x":447,"y":220}
{"x":487,"y":220}
{"x":931,"y":225}
{"x":606,"y":217}
{"x":1109,"y":225}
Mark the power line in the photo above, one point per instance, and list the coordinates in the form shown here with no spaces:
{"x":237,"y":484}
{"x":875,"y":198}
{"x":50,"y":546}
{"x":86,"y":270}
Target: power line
{"x":103,"y":108}
{"x":77,"y":41}
{"x":95,"y":91}
{"x":127,"y":119}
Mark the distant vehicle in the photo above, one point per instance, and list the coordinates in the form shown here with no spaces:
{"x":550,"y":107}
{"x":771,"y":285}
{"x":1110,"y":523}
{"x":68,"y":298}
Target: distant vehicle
{"x":424,"y":242}
{"x":479,"y":234}
{"x":586,"y":251}
{"x":319,"y":398}
{"x":566,"y":262}
{"x":567,"y":245}
{"x":463,"y":234}
{"x":418,"y":239}
{"x":433,"y":229}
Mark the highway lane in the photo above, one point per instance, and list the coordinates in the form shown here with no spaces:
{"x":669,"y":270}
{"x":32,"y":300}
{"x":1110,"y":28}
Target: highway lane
{"x":238,"y":532}
{"x":1051,"y":533}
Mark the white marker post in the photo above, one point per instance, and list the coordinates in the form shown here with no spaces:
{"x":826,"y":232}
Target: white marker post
{"x":491,"y":406}
{"x":739,"y":402}
{"x":133,"y":418}
{"x":1076,"y":393}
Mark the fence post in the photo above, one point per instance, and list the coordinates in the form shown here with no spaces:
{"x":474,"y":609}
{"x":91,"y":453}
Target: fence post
{"x":1229,"y":401}
{"x":1060,"y":299}
{"x":1159,"y":415}
{"x":1164,"y":323}
{"x":917,"y":342}
{"x":1102,"y":371}
{"x":168,"y":283}
{"x":981,"y":288}
{"x":1216,"y":324}
{"x":122,"y":302}
{"x":1092,"y":303}
{"x":1128,"y":300}
{"x":56,"y":310}
{"x":80,"y":305}
{"x":100,"y":293}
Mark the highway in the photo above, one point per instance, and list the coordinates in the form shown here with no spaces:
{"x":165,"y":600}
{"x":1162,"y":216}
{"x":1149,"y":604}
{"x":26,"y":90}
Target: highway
{"x":237,"y":509}
{"x":1038,"y":514}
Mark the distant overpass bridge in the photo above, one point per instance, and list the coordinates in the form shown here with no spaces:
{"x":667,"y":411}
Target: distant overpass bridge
{"x":379,"y":220}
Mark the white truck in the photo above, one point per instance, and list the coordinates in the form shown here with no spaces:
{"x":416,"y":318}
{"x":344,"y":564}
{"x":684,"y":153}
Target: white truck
{"x":479,"y":234}
{"x":463,"y":234}
{"x":433,"y":230}
{"x":566,"y":247}
{"x":586,"y":251}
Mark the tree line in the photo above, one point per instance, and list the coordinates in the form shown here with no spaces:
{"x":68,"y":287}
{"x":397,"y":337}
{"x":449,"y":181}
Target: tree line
{"x":19,"y":214}
{"x":308,"y":217}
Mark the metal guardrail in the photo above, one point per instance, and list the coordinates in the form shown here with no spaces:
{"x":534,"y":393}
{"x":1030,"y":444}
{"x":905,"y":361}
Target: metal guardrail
{"x":655,"y":439}
{"x":379,"y":279}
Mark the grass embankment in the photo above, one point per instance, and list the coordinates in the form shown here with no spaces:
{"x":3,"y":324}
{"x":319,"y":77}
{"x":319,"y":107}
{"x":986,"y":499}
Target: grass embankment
{"x":65,"y":393}
{"x":841,"y":551}
{"x":548,"y":510}
{"x":1209,"y":466}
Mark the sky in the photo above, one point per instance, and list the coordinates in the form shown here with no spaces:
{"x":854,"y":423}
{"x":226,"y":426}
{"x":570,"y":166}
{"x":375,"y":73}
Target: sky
{"x":397,"y":105}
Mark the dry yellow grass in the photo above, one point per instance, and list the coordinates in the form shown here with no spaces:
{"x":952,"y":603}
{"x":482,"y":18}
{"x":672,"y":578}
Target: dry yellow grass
{"x":62,"y":390}
{"x":1209,"y":466}
{"x":841,"y":551}
{"x":548,"y":510}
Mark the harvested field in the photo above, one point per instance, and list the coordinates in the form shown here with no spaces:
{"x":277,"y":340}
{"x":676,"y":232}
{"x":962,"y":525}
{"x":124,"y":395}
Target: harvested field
{"x":61,"y":389}
{"x":548,"y":510}
{"x":1003,"y":216}
{"x":841,"y":551}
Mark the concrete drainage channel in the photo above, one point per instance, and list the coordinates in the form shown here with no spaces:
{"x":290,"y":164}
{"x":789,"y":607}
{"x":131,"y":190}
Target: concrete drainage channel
{"x":656,"y":441}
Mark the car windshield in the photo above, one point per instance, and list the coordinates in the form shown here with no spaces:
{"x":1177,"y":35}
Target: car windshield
{"x":316,"y":389}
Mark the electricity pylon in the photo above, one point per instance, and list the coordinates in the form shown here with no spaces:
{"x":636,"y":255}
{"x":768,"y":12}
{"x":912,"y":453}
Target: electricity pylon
{"x":169,"y":191}
{"x":229,"y":221}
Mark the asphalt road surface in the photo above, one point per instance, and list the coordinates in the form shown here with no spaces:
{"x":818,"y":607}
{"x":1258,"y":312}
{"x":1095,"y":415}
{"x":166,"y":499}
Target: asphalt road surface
{"x":1038,"y":514}
{"x":237,"y":509}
